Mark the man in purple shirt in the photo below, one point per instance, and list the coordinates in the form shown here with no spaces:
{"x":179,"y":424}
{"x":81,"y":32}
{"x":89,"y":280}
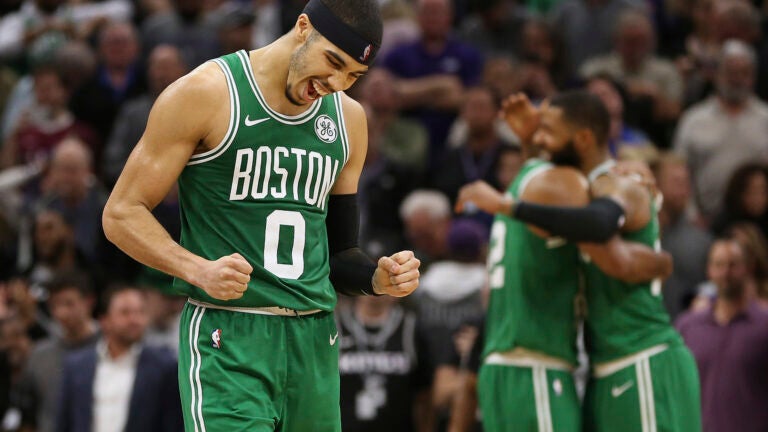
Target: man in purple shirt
{"x":433,"y":72}
{"x":730,"y":342}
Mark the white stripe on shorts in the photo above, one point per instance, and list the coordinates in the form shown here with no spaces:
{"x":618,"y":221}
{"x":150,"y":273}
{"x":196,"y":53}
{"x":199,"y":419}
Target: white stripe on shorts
{"x":196,"y":412}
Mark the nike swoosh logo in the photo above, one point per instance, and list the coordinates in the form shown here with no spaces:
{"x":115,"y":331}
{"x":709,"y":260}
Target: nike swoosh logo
{"x":332,"y":339}
{"x":249,"y":122}
{"x":618,"y":391}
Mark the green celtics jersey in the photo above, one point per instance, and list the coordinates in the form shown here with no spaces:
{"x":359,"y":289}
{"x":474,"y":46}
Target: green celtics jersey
{"x":533,"y":284}
{"x":624,"y":318}
{"x":262,"y":192}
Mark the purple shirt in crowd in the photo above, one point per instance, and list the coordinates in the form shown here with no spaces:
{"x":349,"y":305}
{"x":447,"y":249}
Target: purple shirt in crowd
{"x":411,"y":60}
{"x":733,"y":368}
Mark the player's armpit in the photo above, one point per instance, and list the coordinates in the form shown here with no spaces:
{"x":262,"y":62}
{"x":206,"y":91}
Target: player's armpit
{"x":630,"y":194}
{"x":628,"y":261}
{"x":357,"y":131}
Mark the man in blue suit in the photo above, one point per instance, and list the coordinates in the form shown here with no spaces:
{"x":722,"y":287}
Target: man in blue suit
{"x":121,"y":385}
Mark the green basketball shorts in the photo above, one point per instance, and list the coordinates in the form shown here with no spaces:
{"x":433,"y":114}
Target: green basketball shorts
{"x":520,"y":398}
{"x":651,"y":391}
{"x":243,"y":371}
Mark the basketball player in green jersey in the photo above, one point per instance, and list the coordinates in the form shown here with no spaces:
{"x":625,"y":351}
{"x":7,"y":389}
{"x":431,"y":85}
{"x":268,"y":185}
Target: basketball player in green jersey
{"x":644,"y":379}
{"x":525,"y":381}
{"x":267,"y":151}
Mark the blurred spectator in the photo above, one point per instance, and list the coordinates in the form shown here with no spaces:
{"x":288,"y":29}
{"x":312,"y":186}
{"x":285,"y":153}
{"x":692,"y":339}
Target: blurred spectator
{"x":742,"y":20}
{"x":730,"y":343}
{"x":186,"y":27}
{"x":42,"y":125}
{"x":449,"y":296}
{"x":725,"y":131}
{"x":71,"y":188}
{"x":74,"y":61}
{"x":587,"y":26}
{"x":385,"y":181}
{"x":685,"y":241}
{"x":164,"y":316}
{"x":164,"y":66}
{"x":755,"y":247}
{"x":16,"y":345}
{"x":543,"y":46}
{"x":621,"y":137}
{"x":535,"y":80}
{"x":8,"y":79}
{"x":433,"y":72}
{"x":120,"y":384}
{"x":399,"y":25}
{"x":495,"y":27}
{"x":119,"y":77}
{"x":746,"y":199}
{"x":234,"y":23}
{"x":478,"y":155}
{"x":55,"y":251}
{"x":267,"y":27}
{"x":426,"y":215}
{"x":510,"y":162}
{"x":385,"y":370}
{"x":35,"y":31}
{"x":501,"y":75}
{"x":698,"y":64}
{"x":650,"y":81}
{"x":71,"y":302}
{"x":402,"y":140}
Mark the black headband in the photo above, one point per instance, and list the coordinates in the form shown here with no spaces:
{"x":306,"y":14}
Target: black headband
{"x":339,"y":33}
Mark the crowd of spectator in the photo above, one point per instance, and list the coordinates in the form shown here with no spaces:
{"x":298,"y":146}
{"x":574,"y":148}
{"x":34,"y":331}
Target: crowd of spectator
{"x":685,"y":83}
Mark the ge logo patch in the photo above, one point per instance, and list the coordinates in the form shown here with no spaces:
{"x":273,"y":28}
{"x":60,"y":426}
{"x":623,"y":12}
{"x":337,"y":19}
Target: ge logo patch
{"x":325,"y":129}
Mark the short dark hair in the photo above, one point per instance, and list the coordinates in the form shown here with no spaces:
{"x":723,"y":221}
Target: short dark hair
{"x":112,"y":291}
{"x":585,"y":110}
{"x":738,"y":183}
{"x":362,"y":16}
{"x":71,"y":279}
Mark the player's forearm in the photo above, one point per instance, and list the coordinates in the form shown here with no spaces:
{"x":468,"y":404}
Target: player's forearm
{"x":627,"y":261}
{"x":136,"y":232}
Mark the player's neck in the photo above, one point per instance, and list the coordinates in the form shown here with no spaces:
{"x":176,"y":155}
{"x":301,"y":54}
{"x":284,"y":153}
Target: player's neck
{"x":593,"y":159}
{"x":270,"y":70}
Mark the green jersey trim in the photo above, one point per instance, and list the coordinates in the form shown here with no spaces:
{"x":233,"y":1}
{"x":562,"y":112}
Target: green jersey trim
{"x":531,"y":174}
{"x":600,"y":170}
{"x":343,"y":127}
{"x":282,"y":118}
{"x":234,"y":114}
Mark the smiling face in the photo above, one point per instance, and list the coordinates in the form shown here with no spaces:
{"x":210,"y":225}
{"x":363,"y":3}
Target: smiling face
{"x":317,"y":68}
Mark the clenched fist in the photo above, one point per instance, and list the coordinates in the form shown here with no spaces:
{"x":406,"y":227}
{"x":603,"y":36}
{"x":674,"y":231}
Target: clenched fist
{"x":397,"y":275}
{"x":226,"y":278}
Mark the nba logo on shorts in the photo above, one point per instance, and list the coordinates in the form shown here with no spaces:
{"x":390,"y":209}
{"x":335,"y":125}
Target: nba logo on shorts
{"x":216,"y":338}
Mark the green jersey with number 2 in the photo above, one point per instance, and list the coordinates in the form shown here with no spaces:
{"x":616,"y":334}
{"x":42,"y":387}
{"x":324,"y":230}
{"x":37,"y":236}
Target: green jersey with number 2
{"x":262,"y":193}
{"x":533,"y":284}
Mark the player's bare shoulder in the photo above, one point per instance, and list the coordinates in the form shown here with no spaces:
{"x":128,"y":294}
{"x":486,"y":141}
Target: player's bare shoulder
{"x":558,"y":185}
{"x":197,"y":104}
{"x":354,"y":114}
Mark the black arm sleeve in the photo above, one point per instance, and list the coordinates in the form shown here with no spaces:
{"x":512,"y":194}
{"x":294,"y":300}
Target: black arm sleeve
{"x":351,"y":268}
{"x":597,"y":222}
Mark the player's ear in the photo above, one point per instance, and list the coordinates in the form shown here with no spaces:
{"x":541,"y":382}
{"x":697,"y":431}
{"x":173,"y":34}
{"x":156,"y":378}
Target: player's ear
{"x":583,"y":138}
{"x":303,"y":28}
